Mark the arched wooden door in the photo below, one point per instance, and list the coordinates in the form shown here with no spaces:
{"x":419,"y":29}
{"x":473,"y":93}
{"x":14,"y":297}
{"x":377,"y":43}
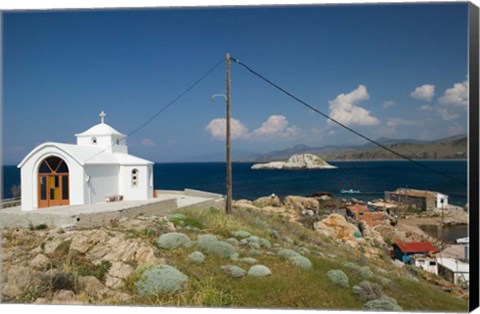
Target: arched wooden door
{"x":53,"y":188}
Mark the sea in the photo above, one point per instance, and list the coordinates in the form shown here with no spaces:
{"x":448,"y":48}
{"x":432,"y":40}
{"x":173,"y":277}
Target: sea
{"x":371,"y":178}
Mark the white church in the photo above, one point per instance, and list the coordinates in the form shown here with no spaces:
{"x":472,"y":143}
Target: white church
{"x":97,"y":169}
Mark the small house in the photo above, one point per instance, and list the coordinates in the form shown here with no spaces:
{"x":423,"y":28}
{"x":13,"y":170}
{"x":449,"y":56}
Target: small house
{"x":426,"y":263}
{"x":404,"y":250}
{"x":420,"y":199}
{"x":453,"y":270}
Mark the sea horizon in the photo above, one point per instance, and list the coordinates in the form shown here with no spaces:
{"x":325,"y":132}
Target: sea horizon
{"x":371,"y":178}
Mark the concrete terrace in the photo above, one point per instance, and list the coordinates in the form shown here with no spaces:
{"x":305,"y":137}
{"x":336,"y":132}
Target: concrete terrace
{"x":95,"y":215}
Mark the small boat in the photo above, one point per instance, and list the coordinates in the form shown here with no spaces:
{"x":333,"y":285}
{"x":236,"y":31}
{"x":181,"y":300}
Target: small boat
{"x":351,"y":191}
{"x":463,"y":240}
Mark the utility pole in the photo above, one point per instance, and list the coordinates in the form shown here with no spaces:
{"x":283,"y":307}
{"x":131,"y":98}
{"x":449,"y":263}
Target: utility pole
{"x":228,"y":204}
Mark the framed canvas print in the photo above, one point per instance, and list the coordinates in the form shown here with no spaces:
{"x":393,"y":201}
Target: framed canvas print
{"x":249,"y":156}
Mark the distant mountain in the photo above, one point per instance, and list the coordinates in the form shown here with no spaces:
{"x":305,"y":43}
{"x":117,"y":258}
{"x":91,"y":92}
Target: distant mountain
{"x":454,"y":147}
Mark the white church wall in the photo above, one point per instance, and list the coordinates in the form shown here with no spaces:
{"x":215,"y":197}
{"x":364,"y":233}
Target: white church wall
{"x":100,"y":181}
{"x":29,"y":178}
{"x":140,"y":189}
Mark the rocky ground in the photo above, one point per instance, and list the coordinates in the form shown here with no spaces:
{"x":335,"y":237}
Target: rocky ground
{"x":187,"y":258}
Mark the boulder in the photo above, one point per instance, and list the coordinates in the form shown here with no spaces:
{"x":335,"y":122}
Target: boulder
{"x":113,"y":282}
{"x":271,"y":200}
{"x":17,"y":279}
{"x":120,"y":270}
{"x":125,"y":250}
{"x":93,"y":287}
{"x":83,"y":241}
{"x":65,"y":297}
{"x":244,"y":204}
{"x":302,"y":204}
{"x":335,"y":226}
{"x":40,"y":261}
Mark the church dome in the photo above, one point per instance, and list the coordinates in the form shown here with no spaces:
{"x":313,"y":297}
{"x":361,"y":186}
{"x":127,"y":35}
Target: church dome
{"x":100,"y":129}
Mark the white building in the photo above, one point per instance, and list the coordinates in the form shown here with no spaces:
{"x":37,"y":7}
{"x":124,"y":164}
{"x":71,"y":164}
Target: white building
{"x":425,"y":262}
{"x":454,"y":270}
{"x":98,"y":167}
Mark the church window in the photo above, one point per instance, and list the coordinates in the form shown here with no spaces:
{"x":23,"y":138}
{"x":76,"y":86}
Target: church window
{"x":134,"y":177}
{"x":94,"y":140}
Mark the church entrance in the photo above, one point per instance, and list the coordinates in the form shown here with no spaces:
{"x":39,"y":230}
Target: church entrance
{"x":53,"y":189}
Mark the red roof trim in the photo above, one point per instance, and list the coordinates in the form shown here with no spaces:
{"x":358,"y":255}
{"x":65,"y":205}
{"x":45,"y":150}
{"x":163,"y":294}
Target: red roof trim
{"x":416,"y":247}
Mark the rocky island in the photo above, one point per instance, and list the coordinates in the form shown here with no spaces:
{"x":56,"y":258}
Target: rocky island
{"x":296,"y":162}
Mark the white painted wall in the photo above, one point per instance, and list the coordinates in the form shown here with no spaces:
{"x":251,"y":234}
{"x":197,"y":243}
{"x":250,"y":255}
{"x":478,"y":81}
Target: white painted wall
{"x":103,"y":181}
{"x":107,"y":142}
{"x":29,"y":178}
{"x":441,"y":196}
{"x":424,"y":263}
{"x":144,"y":188}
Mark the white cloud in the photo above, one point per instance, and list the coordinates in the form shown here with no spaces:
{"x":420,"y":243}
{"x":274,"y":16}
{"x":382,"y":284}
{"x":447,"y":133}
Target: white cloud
{"x":425,"y":108}
{"x":457,"y":95}
{"x":446,"y":115}
{"x":345,"y":110}
{"x":148,"y":142}
{"x":388,"y":104}
{"x":394,"y":122}
{"x":274,"y":126}
{"x":424,"y":92}
{"x":218,"y":127}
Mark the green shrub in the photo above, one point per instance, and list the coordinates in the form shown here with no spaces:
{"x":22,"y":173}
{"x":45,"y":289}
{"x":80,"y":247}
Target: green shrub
{"x":384,"y":281}
{"x":259,"y":271}
{"x":304,"y":250}
{"x":300,"y":262}
{"x":160,"y":279}
{"x":366,"y":272}
{"x":255,"y":252}
{"x":338,"y":277}
{"x":197,"y":257}
{"x":382,"y":304}
{"x":241,"y":234}
{"x":41,"y":227}
{"x":211,"y":245}
{"x":254,"y":245}
{"x":173,"y":240}
{"x":368,"y":291}
{"x":352,"y":266}
{"x":232,"y":241}
{"x":233,"y":271}
{"x":99,"y":271}
{"x":265,"y":243}
{"x":248,"y":260}
{"x":286,"y":253}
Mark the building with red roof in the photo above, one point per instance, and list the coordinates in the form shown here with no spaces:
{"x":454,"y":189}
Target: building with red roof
{"x":403,"y":250}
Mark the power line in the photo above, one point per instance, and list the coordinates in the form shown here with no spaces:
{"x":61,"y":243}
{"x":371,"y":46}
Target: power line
{"x":148,"y":121}
{"x":343,"y":125}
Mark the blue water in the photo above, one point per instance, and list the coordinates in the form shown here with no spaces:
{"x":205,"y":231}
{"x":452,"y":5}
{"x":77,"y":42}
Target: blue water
{"x":372,"y":178}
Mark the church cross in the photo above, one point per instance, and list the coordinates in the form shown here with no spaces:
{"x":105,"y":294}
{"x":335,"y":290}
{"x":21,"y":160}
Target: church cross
{"x":102,"y":116}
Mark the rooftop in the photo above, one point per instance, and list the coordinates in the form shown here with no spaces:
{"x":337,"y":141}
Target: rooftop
{"x":416,"y":193}
{"x":416,"y":247}
{"x":453,"y":264}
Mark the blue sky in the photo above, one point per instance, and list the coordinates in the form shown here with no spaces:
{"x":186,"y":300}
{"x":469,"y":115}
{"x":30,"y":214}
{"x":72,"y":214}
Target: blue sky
{"x":396,"y":71}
